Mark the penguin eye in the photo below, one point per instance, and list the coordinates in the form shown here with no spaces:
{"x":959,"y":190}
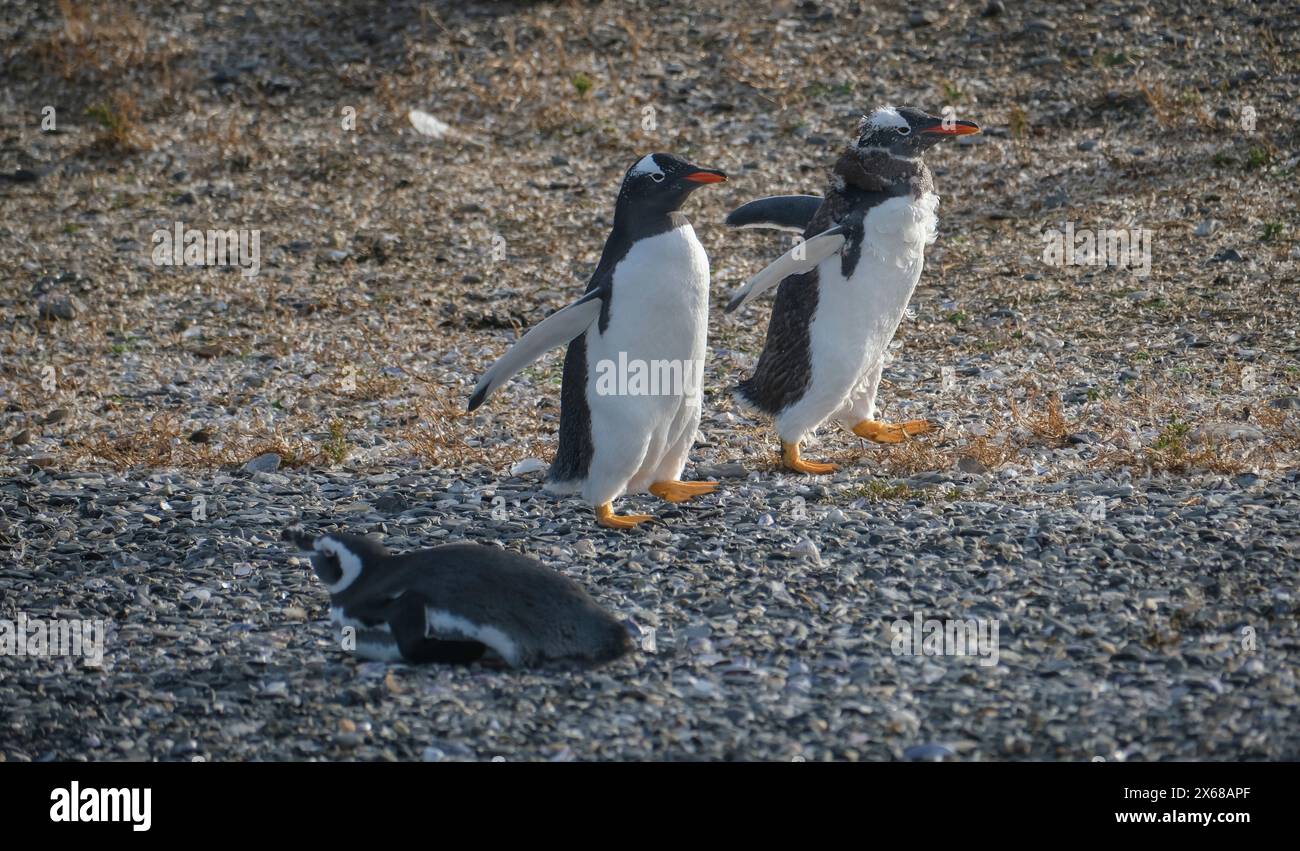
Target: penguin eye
{"x":657,"y":177}
{"x":904,"y":131}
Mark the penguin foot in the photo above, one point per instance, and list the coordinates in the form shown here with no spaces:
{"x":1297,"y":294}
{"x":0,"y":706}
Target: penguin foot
{"x":606,"y":517}
{"x":790,"y":457}
{"x":878,"y":432}
{"x":677,"y":491}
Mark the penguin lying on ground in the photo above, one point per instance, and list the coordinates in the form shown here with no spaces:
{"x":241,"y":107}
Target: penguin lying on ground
{"x":844,"y":289}
{"x":646,"y":309}
{"x":458,"y":603}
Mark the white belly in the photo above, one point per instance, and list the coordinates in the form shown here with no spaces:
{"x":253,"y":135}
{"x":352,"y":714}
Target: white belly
{"x":660,"y":303}
{"x":658,"y":329}
{"x":856,"y":318}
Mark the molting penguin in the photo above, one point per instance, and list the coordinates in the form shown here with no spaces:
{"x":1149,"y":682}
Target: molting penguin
{"x":844,"y":289}
{"x":458,"y":603}
{"x":630,"y":401}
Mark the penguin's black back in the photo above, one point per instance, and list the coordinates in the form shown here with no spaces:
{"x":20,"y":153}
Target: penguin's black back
{"x":785,"y":366}
{"x":547,"y":616}
{"x":573,"y":457}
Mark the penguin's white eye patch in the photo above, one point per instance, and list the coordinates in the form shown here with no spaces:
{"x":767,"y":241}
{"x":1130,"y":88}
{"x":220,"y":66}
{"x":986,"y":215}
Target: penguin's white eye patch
{"x":904,"y":131}
{"x":342,"y":565}
{"x":647,"y":165}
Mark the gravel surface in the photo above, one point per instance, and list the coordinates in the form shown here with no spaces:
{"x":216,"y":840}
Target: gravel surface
{"x":764,"y":615}
{"x":1114,"y":478}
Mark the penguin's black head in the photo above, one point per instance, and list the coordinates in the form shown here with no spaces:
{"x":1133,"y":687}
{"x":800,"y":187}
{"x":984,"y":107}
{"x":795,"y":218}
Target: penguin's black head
{"x":660,"y":183}
{"x":339,"y":559}
{"x":907,"y":132}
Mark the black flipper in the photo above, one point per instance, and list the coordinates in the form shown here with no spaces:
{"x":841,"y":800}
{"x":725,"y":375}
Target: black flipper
{"x":803,"y":257}
{"x":406,"y":619}
{"x":555,"y":330}
{"x":783,"y":212}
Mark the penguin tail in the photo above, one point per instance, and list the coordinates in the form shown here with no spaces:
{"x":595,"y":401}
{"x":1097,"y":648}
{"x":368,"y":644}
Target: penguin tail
{"x":618,"y":644}
{"x":563,"y":487}
{"x":745,"y":401}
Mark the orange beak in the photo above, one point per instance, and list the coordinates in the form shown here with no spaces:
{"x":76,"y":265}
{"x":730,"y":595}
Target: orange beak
{"x":706,"y":175}
{"x":955,"y":128}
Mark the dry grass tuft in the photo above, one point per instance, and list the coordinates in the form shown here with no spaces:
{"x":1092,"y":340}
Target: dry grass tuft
{"x":160,"y":441}
{"x":119,"y":122}
{"x":441,"y":435}
{"x":99,"y":42}
{"x":1047,"y":424}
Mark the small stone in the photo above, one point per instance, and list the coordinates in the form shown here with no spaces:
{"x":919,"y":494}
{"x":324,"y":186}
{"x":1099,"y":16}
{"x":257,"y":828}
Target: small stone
{"x":807,"y":549}
{"x":266,"y":463}
{"x":57,"y":309}
{"x":971,"y":466}
{"x":393,"y":503}
{"x":923,"y":18}
{"x":1207,"y":228}
{"x":1226,"y":431}
{"x":731,"y":470}
{"x":526,"y":466}
{"x":928,"y":752}
{"x":21,"y":438}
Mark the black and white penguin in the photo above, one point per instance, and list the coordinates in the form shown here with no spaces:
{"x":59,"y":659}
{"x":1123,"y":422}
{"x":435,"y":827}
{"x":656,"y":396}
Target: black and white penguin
{"x":631,"y":398}
{"x":458,"y":603}
{"x":845,"y":287}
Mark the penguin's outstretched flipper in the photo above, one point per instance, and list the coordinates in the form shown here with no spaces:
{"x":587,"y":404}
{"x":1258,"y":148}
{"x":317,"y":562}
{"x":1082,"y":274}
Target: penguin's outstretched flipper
{"x":555,"y":330}
{"x":803,"y":257}
{"x":780,"y":212}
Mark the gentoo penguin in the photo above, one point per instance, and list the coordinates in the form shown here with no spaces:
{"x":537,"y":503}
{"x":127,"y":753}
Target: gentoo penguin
{"x":630,"y":400}
{"x":845,"y":287}
{"x":458,"y":603}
